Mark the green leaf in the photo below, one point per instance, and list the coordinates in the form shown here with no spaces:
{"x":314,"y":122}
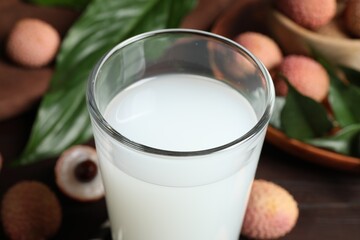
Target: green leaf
{"x":352,"y":75}
{"x":62,"y":118}
{"x":346,"y":141}
{"x":344,"y":98}
{"x":302,"y":117}
{"x":74,"y":4}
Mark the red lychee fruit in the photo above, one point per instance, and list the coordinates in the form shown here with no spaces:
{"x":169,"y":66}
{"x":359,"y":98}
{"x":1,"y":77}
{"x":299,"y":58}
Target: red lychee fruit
{"x":32,"y":43}
{"x":271,"y":213}
{"x":30,"y":211}
{"x":305,"y":74}
{"x":262,"y":46}
{"x":310,"y":14}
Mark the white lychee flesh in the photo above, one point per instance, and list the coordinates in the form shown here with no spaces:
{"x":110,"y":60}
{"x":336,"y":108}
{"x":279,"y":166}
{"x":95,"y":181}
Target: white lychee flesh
{"x":69,"y":183}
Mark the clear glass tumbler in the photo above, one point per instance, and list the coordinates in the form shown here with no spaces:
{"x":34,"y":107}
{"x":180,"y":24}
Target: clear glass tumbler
{"x":179,"y":118}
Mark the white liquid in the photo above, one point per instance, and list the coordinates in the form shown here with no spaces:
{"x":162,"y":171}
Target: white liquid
{"x":152,"y":197}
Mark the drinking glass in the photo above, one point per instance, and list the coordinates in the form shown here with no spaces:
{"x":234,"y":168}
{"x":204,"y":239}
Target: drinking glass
{"x":179,"y":118}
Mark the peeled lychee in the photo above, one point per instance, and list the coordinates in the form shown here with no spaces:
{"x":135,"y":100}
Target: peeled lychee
{"x":271,"y":213}
{"x":77,"y":174}
{"x":310,"y":14}
{"x":262,"y":46}
{"x":32,"y":43}
{"x":30,"y":211}
{"x":352,"y":17}
{"x":305,"y":74}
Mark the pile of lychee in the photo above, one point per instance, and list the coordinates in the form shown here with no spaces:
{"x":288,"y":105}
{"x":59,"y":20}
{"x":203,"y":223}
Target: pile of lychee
{"x":305,"y":74}
{"x":341,"y":17}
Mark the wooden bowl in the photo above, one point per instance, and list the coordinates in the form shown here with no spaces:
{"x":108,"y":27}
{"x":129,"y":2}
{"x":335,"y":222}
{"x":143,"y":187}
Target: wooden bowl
{"x":310,"y":153}
{"x":248,"y":15}
{"x":329,"y":41}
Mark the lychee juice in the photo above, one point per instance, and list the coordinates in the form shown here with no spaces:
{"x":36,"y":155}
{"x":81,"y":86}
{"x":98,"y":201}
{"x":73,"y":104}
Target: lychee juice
{"x":166,"y":187}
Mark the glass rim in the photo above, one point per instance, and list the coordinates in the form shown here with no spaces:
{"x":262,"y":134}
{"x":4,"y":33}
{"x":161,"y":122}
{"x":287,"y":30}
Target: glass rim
{"x":104,"y":125}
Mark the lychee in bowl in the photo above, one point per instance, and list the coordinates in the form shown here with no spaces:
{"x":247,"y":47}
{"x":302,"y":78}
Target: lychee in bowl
{"x":331,"y":43}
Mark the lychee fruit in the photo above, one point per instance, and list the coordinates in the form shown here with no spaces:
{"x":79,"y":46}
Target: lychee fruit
{"x":352,"y":17}
{"x":308,"y":13}
{"x":77,"y":174}
{"x":30,"y":211}
{"x":271,"y":212}
{"x":305,"y":74}
{"x":262,"y":46}
{"x":32,"y":43}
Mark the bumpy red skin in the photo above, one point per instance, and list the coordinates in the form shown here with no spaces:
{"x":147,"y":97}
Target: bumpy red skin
{"x":262,"y":46}
{"x":310,"y":14}
{"x":30,"y":210}
{"x":32,"y":43}
{"x":271,"y":213}
{"x":305,"y":74}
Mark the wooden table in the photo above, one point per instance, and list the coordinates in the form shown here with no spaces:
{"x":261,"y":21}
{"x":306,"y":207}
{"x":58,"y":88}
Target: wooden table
{"x":329,"y":200}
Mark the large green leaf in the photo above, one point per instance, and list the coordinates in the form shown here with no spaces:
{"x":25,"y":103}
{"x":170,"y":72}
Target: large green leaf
{"x":62,"y":119}
{"x":302,"y":117}
{"x":345,"y":141}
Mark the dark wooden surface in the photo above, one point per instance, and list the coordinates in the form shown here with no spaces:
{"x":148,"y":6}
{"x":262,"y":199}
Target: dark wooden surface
{"x":329,"y":200}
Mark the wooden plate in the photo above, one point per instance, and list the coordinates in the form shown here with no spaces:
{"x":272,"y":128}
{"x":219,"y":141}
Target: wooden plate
{"x":251,"y":15}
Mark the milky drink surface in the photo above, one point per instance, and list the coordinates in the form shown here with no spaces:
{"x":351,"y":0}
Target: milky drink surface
{"x":159,"y":197}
